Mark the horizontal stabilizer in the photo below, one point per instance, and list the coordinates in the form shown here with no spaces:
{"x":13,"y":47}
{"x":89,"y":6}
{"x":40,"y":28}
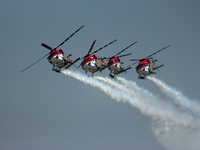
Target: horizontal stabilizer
{"x":102,"y":69}
{"x":128,"y":68}
{"x":77,"y":59}
{"x":160,"y":66}
{"x":73,"y":62}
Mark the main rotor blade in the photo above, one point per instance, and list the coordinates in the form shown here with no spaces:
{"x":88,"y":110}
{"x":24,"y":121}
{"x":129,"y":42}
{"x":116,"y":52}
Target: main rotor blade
{"x":134,"y":63}
{"x":125,"y":55}
{"x":69,"y":37}
{"x":79,"y":66}
{"x":157,"y":51}
{"x":125,"y":48}
{"x":135,"y":59}
{"x":88,"y":52}
{"x":104,"y":46}
{"x":46,"y":46}
{"x":34,"y":63}
{"x":91,"y":47}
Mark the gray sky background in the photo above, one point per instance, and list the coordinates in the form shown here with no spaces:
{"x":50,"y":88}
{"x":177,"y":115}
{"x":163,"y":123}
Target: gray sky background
{"x":40,"y":109}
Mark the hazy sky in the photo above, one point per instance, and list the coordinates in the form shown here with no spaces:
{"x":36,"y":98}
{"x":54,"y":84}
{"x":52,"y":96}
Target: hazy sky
{"x":40,"y":109}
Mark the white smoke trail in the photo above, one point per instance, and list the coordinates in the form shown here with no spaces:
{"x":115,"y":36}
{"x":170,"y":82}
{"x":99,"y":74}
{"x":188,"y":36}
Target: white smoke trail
{"x":147,"y":98}
{"x":169,"y":125}
{"x":147,"y":104}
{"x":117,"y":85}
{"x":117,"y":95}
{"x":176,"y":96}
{"x":175,"y":137}
{"x":131,"y":84}
{"x":172,"y":136}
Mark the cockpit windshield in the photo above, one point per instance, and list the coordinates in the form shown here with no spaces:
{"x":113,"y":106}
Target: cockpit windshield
{"x":139,"y":66}
{"x":111,"y":62}
{"x":54,"y":53}
{"x":88,"y":59}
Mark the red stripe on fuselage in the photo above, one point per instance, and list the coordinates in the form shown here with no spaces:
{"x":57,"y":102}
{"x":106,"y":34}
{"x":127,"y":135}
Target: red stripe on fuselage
{"x":113,"y":61}
{"x":143,"y":64}
{"x":88,"y":59}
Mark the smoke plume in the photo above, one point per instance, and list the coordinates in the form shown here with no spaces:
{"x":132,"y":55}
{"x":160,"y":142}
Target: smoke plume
{"x":176,"y":96}
{"x":174,"y":128}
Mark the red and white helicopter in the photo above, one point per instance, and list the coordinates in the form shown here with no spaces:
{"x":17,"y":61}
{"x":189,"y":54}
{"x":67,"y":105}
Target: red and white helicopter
{"x":115,"y":65}
{"x":57,"y":57}
{"x":145,"y":67}
{"x":92,"y":63}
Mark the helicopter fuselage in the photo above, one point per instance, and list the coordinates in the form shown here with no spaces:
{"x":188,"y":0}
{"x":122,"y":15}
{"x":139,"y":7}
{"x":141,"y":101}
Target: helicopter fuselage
{"x":145,"y":67}
{"x":56,"y":58}
{"x":89,"y":64}
{"x":115,"y":65}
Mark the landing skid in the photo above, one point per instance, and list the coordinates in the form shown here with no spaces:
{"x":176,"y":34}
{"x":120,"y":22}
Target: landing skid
{"x":86,"y":73}
{"x":111,"y":75}
{"x":89,"y":75}
{"x":141,"y":77}
{"x":56,"y":70}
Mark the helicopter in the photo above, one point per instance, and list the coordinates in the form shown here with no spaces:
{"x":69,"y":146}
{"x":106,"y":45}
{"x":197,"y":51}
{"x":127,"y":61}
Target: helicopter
{"x":92,"y":63}
{"x":115,"y":65}
{"x":145,"y":67}
{"x":57,"y":57}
